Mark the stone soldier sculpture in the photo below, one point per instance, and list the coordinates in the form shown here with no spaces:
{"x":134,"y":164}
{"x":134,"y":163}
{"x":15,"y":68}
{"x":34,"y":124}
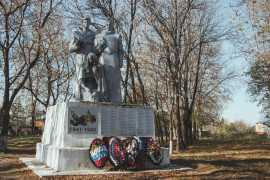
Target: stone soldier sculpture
{"x":112,"y":60}
{"x":89,"y":84}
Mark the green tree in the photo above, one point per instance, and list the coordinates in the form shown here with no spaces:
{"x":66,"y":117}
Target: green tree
{"x":259,"y":71}
{"x":259,"y":83}
{"x":253,"y":31}
{"x":226,"y":128}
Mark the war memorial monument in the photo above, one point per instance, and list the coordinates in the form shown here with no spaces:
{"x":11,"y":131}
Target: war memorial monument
{"x":95,"y":111}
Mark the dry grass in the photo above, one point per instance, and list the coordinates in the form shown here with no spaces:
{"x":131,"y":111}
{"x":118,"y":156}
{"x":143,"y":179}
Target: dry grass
{"x":10,"y":165}
{"x":209,"y":158}
{"x":217,"y":159}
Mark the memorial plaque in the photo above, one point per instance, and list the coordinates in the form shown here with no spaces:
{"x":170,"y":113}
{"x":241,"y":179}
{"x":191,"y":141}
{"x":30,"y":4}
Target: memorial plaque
{"x":141,"y":128}
{"x":145,"y":122}
{"x":82,"y":120}
{"x":127,"y":121}
{"x":109,"y":120}
{"x":149,"y":121}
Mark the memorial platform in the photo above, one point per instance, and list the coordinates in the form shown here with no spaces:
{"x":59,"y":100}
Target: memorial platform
{"x":44,"y":171}
{"x":70,"y":128}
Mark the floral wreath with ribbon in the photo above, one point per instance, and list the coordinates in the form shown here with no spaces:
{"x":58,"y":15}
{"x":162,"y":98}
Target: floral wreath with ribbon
{"x":98,"y":153}
{"x":154,"y":151}
{"x":116,"y":153}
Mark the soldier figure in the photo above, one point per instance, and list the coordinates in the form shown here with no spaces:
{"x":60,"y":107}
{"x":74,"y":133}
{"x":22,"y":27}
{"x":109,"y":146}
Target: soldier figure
{"x":89,"y":86}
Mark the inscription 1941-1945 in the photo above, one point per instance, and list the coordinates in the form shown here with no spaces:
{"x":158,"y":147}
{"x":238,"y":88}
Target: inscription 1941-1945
{"x":82,"y":120}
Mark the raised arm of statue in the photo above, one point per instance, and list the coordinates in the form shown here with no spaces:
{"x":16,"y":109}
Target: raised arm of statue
{"x":120,"y":52}
{"x":76,"y":42}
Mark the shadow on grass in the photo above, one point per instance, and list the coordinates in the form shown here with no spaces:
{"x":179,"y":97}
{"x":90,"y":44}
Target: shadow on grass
{"x":228,"y":163}
{"x":223,"y":146}
{"x":219,"y":174}
{"x":259,"y":172}
{"x":12,"y":166}
{"x":21,"y":151}
{"x":25,"y":174}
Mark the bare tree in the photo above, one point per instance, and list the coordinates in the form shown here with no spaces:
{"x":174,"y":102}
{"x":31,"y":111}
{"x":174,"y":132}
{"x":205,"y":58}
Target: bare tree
{"x":125,"y":15}
{"x":20,"y":18}
{"x":50,"y":80}
{"x":169,"y":52}
{"x":182,"y":37}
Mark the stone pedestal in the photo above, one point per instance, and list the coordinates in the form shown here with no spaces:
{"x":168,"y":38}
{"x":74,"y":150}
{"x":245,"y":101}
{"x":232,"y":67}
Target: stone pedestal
{"x":70,"y":127}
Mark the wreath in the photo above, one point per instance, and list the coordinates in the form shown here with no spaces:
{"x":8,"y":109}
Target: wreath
{"x":154,"y":151}
{"x":128,"y":151}
{"x":135,"y":153}
{"x":98,"y":153}
{"x":116,"y":153}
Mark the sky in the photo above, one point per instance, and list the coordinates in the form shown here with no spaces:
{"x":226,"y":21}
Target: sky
{"x":241,"y":107}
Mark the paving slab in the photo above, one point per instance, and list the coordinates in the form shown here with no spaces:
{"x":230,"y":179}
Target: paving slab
{"x":44,"y":171}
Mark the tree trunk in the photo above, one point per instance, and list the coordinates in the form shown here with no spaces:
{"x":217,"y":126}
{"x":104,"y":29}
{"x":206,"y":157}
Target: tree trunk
{"x":197,"y":133}
{"x":3,"y":143}
{"x":133,"y":87}
{"x":160,"y":129}
{"x":157,"y":127}
{"x":5,"y":110}
{"x":189,"y":121}
{"x":4,"y":131}
{"x":166,"y":132}
{"x":33,"y":120}
{"x":179,"y":125}
{"x":125,"y":82}
{"x":185,"y":120}
{"x":144,"y":100}
{"x":157,"y":131}
{"x":201,"y":131}
{"x":171,"y":131}
{"x":164,"y":122}
{"x":33,"y":115}
{"x":174,"y":131}
{"x":1,"y":116}
{"x":194,"y":129}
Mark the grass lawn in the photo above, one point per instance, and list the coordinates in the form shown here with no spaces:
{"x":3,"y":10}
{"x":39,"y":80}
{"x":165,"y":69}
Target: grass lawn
{"x":209,"y":158}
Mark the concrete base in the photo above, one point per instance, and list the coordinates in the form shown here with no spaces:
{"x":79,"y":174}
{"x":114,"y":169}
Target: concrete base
{"x":44,"y":171}
{"x":109,"y":120}
{"x":64,"y":158}
{"x":70,"y":128}
{"x":77,"y":158}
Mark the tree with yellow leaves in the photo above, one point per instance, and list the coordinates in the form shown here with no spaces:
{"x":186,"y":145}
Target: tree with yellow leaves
{"x":255,"y":34}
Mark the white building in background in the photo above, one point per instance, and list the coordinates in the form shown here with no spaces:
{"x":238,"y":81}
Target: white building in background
{"x":263,"y":126}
